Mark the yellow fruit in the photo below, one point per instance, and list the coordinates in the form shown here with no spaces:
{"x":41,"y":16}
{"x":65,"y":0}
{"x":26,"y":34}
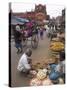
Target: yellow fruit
{"x":57,"y":46}
{"x":41,"y":75}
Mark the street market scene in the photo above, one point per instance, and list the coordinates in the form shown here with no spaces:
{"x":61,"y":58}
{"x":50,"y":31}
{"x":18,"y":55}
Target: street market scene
{"x":37,"y":45}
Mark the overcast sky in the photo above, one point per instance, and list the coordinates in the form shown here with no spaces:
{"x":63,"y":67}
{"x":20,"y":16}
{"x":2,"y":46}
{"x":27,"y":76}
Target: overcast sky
{"x":52,"y":9}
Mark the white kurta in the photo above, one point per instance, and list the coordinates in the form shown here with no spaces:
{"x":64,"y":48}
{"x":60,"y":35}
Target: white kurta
{"x":23,"y":63}
{"x":18,"y":28}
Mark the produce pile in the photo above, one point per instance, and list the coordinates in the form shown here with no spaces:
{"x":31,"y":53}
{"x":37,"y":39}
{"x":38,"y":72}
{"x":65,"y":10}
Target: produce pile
{"x":39,"y":66}
{"x":42,"y":71}
{"x":42,"y":74}
{"x":41,"y":78}
{"x":56,"y":46}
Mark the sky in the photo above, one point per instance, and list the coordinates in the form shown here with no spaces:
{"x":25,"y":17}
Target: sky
{"x":53,"y":10}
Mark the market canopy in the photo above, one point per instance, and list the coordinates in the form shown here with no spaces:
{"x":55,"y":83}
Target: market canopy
{"x":16,"y":20}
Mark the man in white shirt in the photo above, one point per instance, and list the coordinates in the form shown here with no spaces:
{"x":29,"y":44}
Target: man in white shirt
{"x":18,"y":27}
{"x":24,"y":63}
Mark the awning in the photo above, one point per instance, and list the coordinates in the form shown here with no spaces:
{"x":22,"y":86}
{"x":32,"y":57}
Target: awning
{"x":15,"y":20}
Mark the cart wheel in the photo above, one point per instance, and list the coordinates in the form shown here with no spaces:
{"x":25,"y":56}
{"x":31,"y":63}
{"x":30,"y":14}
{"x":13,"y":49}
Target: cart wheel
{"x":34,"y":41}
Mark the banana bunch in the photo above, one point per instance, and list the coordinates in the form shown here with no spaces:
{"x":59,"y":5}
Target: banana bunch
{"x":41,"y":75}
{"x":56,"y":46}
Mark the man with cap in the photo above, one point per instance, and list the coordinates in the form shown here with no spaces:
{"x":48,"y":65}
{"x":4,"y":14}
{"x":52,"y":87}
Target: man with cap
{"x":24,"y":64}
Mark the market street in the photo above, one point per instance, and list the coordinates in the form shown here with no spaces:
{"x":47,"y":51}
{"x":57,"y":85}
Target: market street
{"x":38,"y":55}
{"x":37,"y":39}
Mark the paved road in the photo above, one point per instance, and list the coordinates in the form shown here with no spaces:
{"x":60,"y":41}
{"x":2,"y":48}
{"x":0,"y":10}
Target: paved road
{"x":38,"y":55}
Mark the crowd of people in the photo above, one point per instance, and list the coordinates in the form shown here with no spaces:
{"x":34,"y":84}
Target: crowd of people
{"x":25,"y":32}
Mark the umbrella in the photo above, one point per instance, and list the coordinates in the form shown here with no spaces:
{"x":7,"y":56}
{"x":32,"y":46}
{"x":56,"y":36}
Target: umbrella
{"x":15,"y":20}
{"x":22,"y":20}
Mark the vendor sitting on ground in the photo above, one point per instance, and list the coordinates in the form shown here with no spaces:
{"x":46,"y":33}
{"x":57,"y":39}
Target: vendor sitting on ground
{"x":24,"y":64}
{"x":58,"y":70}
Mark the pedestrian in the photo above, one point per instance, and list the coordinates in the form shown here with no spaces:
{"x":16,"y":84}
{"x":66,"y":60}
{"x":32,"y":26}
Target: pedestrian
{"x":52,"y":33}
{"x":24,"y":64}
{"x":18,"y":38}
{"x":48,"y":31}
{"x":41,"y":33}
{"x":37,"y":30}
